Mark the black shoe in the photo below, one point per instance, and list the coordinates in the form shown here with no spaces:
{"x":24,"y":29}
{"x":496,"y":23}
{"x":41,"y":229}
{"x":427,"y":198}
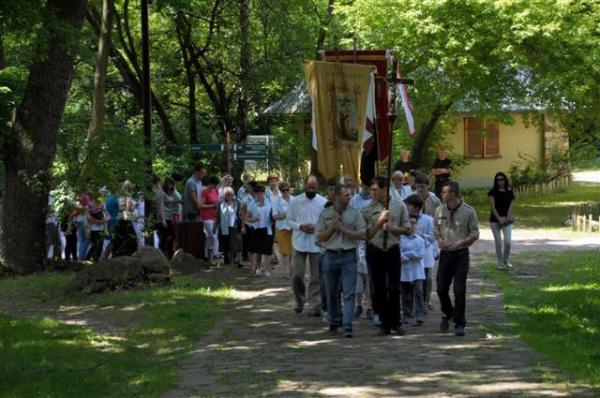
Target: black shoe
{"x":358,"y":311}
{"x":240,"y":265}
{"x":444,"y":325}
{"x":384,"y":332}
{"x":333,"y":329}
{"x":459,"y":330}
{"x":314,"y":312}
{"x":369,"y":314}
{"x":348,"y":334}
{"x":398,"y":330}
{"x":298,"y":309}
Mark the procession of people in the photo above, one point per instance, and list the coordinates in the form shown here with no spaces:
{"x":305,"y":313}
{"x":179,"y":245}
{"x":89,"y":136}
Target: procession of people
{"x":372,"y":249}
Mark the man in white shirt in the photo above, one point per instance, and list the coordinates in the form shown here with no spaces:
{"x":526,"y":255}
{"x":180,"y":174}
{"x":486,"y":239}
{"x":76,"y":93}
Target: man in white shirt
{"x":303,"y":214}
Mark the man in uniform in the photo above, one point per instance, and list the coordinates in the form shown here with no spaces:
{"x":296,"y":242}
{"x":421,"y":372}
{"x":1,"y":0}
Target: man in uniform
{"x":384,"y":228}
{"x":456,"y":229}
{"x":338,"y":229}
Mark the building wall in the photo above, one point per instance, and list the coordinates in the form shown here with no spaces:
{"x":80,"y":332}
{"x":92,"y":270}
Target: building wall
{"x":515,"y":139}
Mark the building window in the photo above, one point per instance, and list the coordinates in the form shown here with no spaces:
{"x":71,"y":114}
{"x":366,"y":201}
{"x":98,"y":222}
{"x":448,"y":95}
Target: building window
{"x":482,"y":139}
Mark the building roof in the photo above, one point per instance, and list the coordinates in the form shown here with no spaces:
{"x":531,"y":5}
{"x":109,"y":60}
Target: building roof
{"x":297,"y":101}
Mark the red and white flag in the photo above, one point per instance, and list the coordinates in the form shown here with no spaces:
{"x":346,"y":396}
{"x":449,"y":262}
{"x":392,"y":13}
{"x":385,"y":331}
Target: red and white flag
{"x":403,"y":94}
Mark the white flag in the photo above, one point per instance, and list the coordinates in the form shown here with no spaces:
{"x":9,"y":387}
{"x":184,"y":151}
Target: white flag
{"x":403,"y":94}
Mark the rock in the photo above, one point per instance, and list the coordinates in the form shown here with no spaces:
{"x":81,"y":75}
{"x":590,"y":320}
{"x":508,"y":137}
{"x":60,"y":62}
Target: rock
{"x":160,"y":279}
{"x":152,"y":260}
{"x":186,"y":264}
{"x":108,"y":275}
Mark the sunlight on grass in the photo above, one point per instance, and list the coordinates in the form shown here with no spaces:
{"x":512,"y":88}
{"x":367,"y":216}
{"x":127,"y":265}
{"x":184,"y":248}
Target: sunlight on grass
{"x":155,"y":328}
{"x":558,"y":313}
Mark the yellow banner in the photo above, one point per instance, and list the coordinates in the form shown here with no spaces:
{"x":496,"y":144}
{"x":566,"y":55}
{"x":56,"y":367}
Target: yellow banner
{"x":339,"y":94}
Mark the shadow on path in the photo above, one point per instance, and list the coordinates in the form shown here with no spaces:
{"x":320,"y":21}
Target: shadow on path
{"x":264,"y":349}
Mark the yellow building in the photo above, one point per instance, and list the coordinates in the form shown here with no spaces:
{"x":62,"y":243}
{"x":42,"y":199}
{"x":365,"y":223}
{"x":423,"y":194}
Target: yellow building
{"x":489,"y":147}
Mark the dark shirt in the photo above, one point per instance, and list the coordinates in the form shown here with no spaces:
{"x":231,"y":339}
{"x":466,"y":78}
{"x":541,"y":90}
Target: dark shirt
{"x":442,"y":164}
{"x":503,"y":199}
{"x":404,"y":167}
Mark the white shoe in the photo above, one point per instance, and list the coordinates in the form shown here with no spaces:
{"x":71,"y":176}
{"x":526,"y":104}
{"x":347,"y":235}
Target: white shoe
{"x":258,"y":272}
{"x":268,"y":274}
{"x":508,"y":265}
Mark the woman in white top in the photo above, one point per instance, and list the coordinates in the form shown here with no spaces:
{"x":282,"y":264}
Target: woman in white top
{"x":125,"y":240}
{"x":228,"y":225}
{"x":262,"y":240}
{"x":283,"y":232}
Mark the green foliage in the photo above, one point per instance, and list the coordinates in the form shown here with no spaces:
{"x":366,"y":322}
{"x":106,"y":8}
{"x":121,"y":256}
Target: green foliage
{"x":45,"y":357}
{"x":293,"y":150}
{"x":558,"y":311}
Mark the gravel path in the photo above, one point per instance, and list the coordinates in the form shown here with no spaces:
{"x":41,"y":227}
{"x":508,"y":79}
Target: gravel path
{"x":263,"y":349}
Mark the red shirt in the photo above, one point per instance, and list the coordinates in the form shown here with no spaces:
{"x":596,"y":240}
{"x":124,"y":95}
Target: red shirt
{"x":210,"y":196}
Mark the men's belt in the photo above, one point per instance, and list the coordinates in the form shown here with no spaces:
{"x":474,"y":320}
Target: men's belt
{"x":339,"y":251}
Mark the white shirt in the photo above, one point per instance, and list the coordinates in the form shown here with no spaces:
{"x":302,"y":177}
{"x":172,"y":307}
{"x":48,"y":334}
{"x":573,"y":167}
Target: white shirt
{"x":424,"y":228}
{"x":302,"y":210}
{"x":280,"y":206}
{"x":412,"y":251}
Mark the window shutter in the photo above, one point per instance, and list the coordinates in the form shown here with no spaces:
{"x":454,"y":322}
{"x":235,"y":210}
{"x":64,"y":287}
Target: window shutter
{"x":473,"y":139}
{"x":492,"y":140}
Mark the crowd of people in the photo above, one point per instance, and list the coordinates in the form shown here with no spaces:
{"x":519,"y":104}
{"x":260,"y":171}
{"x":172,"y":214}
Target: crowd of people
{"x":368,"y":248}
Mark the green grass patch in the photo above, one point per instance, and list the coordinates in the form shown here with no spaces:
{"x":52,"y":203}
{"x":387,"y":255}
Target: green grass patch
{"x":547,"y":211}
{"x":42,"y":357}
{"x":555,"y":308}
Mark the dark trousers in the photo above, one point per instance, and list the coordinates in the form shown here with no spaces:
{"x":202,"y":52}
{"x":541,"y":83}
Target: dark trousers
{"x":385,"y":272}
{"x":71,"y":246}
{"x":124,"y":239}
{"x":96,"y":238}
{"x":323,"y":284}
{"x":453,"y":267}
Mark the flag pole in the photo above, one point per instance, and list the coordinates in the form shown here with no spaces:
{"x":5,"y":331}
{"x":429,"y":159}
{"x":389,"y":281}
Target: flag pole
{"x":392,"y":116}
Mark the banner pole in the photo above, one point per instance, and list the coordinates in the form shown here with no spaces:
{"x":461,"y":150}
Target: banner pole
{"x":392,"y":116}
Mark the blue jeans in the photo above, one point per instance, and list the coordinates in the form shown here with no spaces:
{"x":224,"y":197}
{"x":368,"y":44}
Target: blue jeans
{"x":341,"y":271}
{"x":82,"y":240}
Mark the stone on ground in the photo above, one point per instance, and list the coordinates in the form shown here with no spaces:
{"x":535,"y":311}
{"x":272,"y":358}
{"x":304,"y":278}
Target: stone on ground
{"x":187,"y":264}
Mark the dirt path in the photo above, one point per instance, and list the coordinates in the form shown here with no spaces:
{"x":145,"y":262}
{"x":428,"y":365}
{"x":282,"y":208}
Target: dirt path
{"x":264,"y":349}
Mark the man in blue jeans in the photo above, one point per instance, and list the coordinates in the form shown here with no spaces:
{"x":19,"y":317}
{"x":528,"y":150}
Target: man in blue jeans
{"x":338,"y":229}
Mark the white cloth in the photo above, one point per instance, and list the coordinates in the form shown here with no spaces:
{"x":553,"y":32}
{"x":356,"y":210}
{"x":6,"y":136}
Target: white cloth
{"x":51,"y":216}
{"x":424,"y":228}
{"x":281,"y":206}
{"x":359,"y":202}
{"x":302,"y":210}
{"x":412,"y":250}
{"x":264,"y":214}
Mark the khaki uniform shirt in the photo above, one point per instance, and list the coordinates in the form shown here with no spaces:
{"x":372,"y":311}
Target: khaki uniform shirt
{"x":398,"y":217}
{"x":350,"y":218}
{"x":430,"y":204}
{"x":456,"y":225}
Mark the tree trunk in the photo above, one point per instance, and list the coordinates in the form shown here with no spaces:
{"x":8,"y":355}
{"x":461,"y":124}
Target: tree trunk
{"x":98,"y":103}
{"x":31,"y":147}
{"x":2,"y":59}
{"x":98,"y":107}
{"x":425,"y":132}
{"x":131,"y":77}
{"x":325,"y":22}
{"x":183,"y":37}
{"x":241,"y":132}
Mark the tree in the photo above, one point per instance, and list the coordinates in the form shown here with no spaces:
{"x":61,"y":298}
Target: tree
{"x":30,"y":148}
{"x":483,"y":55}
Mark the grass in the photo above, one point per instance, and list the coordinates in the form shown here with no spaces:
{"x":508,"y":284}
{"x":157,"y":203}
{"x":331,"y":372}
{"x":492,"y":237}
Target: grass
{"x":555,"y":308}
{"x":43,"y":357}
{"x":548,"y":211}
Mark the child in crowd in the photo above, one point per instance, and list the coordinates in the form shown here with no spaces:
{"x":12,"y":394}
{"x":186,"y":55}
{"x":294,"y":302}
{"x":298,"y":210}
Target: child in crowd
{"x":424,"y":228}
{"x":412,"y":274}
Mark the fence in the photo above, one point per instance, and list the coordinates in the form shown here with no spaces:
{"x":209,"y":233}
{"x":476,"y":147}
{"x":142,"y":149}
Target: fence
{"x":525,"y":191}
{"x":586,"y":217}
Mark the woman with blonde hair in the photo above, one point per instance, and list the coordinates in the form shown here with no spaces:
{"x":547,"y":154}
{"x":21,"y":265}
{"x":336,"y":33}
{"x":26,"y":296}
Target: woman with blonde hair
{"x":283,"y":232}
